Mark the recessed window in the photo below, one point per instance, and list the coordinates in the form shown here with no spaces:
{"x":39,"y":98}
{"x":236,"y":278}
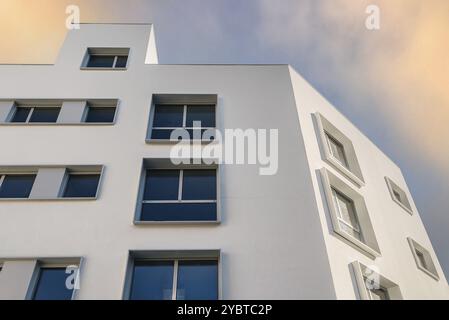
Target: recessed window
{"x":338,"y":150}
{"x":52,"y":284}
{"x":100,"y":114}
{"x":423,"y":259}
{"x":177,"y":279}
{"x":168,"y":118}
{"x":373,"y":286}
{"x":179,"y":195}
{"x":398,"y":195}
{"x":106,"y":58}
{"x":16,"y":185}
{"x":349,"y":214}
{"x":81,"y":185}
{"x":35,"y":114}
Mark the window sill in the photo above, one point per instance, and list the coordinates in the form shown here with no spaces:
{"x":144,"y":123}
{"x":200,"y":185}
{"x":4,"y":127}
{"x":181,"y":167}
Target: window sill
{"x":169,"y":141}
{"x":33,"y":124}
{"x":48,"y":199}
{"x":337,"y":165}
{"x":403,"y":207}
{"x":199,"y":222}
{"x":103,"y":69}
{"x":357,"y":244}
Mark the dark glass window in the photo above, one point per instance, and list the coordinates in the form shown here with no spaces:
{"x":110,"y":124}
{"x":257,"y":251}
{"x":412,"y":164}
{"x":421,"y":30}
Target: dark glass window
{"x":81,"y":186}
{"x":100,"y":61}
{"x":121,"y":61}
{"x":45,"y":114}
{"x":21,"y":114}
{"x":17,"y":186}
{"x":197,"y":280}
{"x":179,"y":211}
{"x":100,"y":114}
{"x":168,"y":116}
{"x":199,"y":185}
{"x":161,"y":185}
{"x":204,"y":114}
{"x":51,"y":285}
{"x":152,"y":280}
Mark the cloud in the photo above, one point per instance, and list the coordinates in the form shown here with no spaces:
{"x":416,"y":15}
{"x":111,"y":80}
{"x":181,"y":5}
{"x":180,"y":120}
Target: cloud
{"x":403,"y":67}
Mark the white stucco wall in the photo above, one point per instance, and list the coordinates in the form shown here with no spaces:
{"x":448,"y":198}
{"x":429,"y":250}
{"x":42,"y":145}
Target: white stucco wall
{"x":270,"y":234}
{"x":391,"y":223}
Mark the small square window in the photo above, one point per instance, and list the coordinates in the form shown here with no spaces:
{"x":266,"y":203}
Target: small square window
{"x":100,"y":114}
{"x":52,"y":285}
{"x":81,"y":185}
{"x":16,"y":185}
{"x":398,"y":195}
{"x":174,"y":279}
{"x":179,"y":195}
{"x":423,"y":259}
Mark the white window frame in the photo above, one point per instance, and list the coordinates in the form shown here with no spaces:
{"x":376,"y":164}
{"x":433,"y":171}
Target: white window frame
{"x":327,"y":129}
{"x":32,"y":108}
{"x":355,"y":228}
{"x":368,"y":242}
{"x":114,"y":63}
{"x":405,"y":203}
{"x":429,"y":268}
{"x":116,"y":52}
{"x":174,"y":256}
{"x":331,"y":140}
{"x":361,"y":272}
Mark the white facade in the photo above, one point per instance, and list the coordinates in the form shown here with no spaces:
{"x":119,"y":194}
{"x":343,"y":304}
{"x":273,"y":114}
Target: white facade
{"x":275,"y":235}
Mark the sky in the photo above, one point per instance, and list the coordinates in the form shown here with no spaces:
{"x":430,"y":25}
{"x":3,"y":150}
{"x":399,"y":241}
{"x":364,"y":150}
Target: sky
{"x":392,"y":83}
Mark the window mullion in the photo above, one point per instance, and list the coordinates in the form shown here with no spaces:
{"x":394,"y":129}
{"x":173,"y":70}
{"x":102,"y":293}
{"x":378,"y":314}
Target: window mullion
{"x":2,"y":177}
{"x":29,"y":115}
{"x":184,"y":117}
{"x":175,"y":280}
{"x":181,"y":177}
{"x":115,"y":62}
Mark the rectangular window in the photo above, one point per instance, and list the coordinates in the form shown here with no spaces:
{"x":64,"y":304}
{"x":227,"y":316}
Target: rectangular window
{"x":81,"y":185}
{"x":100,"y":114}
{"x":168,"y":118}
{"x":347,"y":215}
{"x":337,"y":150}
{"x":174,"y":280}
{"x":107,"y":61}
{"x":52,"y":285}
{"x":16,"y":185}
{"x":36,"y":114}
{"x":179,"y":195}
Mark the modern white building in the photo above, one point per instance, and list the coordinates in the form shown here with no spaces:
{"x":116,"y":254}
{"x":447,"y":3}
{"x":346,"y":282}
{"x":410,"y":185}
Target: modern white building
{"x":86,"y":182}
